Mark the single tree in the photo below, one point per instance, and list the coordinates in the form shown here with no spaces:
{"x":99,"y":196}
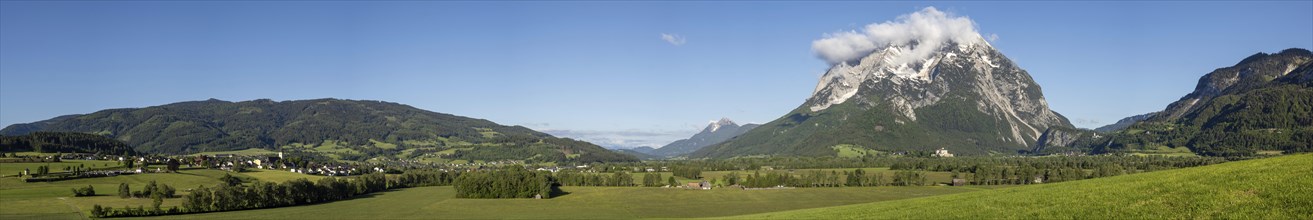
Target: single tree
{"x":124,"y":191}
{"x":173,"y":165}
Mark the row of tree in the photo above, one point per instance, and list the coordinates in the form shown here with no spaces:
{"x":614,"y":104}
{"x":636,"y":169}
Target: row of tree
{"x":654,"y":180}
{"x":576,"y":178}
{"x":691,"y":172}
{"x":151,"y":190}
{"x":942,"y":164}
{"x":859,"y":178}
{"x":67,"y":142}
{"x":234,"y":195}
{"x":426,"y":177}
{"x":819,"y":178}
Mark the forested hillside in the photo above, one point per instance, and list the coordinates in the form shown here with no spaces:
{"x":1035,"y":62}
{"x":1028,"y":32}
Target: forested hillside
{"x":64,"y":142}
{"x":349,"y":128}
{"x":1263,"y":103}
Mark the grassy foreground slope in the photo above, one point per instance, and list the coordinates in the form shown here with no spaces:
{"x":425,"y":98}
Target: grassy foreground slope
{"x":1273,"y":188}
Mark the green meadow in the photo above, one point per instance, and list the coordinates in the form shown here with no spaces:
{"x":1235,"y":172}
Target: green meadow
{"x":1273,"y":188}
{"x":583,"y":203}
{"x":54,"y":200}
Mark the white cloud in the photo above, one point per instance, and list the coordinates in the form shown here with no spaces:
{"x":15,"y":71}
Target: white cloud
{"x":993,"y":37}
{"x":929,"y":29}
{"x":673,"y":39}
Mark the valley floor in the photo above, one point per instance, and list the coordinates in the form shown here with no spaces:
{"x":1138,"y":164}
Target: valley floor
{"x":584,"y":203}
{"x":1272,"y":188}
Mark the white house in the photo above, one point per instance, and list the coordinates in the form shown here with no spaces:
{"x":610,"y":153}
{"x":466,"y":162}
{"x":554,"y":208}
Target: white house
{"x":942,"y":153}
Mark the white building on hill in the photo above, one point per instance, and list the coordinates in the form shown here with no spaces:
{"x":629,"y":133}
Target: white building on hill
{"x":942,"y":153}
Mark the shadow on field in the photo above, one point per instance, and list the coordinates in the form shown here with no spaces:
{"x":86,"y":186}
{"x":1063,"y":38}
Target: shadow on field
{"x":556,"y":193}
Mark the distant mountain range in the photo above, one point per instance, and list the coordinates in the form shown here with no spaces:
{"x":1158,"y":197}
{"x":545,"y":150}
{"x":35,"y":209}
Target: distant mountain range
{"x":643,"y":149}
{"x":1125,"y":122}
{"x":963,"y":96}
{"x":642,"y":155}
{"x":357,"y":129}
{"x":715,"y":133}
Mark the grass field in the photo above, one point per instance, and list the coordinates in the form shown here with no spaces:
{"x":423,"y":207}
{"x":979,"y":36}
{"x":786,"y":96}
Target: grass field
{"x":1273,"y":188}
{"x":933,"y":177}
{"x":382,"y":145}
{"x":12,"y":169}
{"x":852,"y":151}
{"x":583,"y":203}
{"x":54,"y":200}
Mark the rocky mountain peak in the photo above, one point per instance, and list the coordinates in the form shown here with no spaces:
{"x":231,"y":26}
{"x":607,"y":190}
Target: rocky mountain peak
{"x":716,"y":125}
{"x":898,"y":64}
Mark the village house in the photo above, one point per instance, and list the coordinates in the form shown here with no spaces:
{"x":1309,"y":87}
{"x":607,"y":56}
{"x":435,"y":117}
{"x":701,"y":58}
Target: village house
{"x":699,"y":185}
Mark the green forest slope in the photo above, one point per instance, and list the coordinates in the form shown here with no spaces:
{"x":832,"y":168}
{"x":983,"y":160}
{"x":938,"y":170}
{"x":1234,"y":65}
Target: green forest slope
{"x":352,"y":129}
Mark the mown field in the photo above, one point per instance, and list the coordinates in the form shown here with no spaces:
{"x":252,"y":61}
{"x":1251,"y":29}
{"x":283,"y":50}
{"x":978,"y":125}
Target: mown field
{"x":1273,"y":188}
{"x":931,"y":177}
{"x":54,"y":200}
{"x":584,"y":203}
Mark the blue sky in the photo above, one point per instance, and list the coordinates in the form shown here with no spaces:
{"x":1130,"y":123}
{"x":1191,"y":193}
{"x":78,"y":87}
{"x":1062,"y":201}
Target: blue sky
{"x":599,"y":71}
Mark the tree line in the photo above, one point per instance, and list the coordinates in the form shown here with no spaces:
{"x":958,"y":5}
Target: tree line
{"x":821,"y":178}
{"x":234,"y":195}
{"x":576,"y":178}
{"x":64,"y":142}
{"x":508,"y":182}
{"x":1031,"y":170}
{"x":691,"y":172}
